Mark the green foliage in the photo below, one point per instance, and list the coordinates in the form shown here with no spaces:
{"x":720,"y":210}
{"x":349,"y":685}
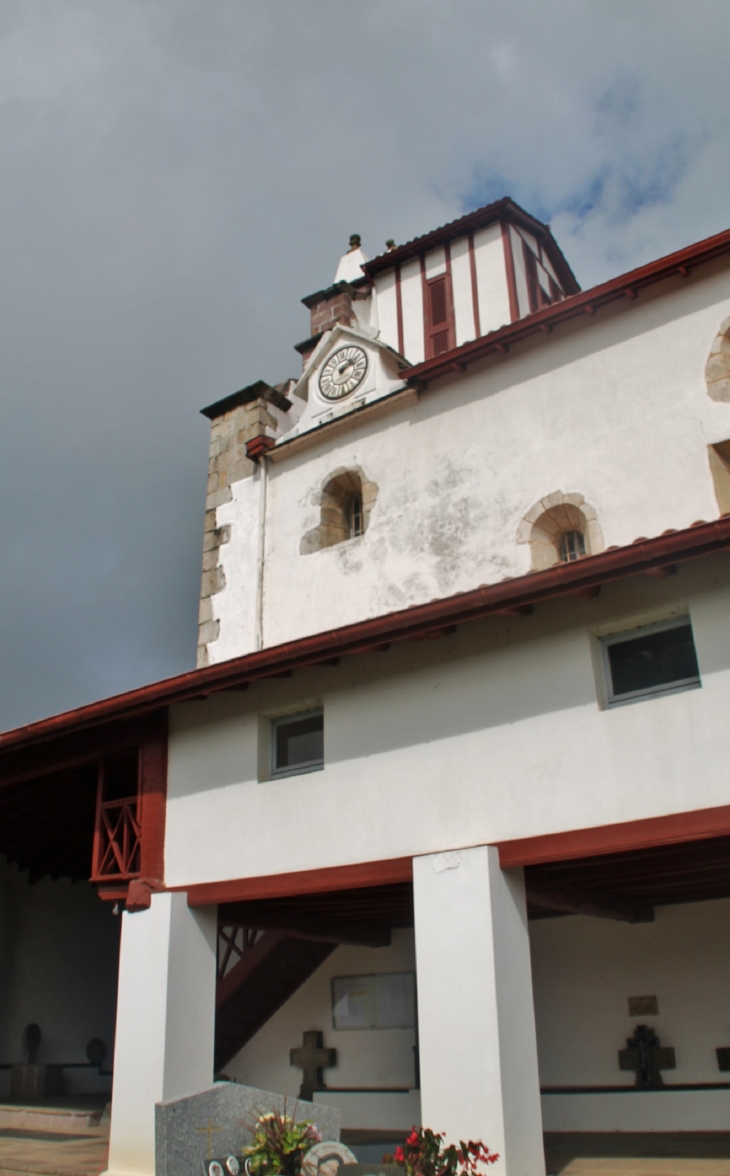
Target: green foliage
{"x":279,"y":1144}
{"x":424,"y":1154}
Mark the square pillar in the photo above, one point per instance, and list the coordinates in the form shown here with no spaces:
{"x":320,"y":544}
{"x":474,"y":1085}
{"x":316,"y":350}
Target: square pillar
{"x":165,"y":1030}
{"x":477,"y":1045}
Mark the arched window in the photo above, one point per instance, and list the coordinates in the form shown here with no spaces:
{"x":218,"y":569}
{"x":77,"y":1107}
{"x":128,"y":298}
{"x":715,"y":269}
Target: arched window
{"x":352,"y":514}
{"x":717,"y":370}
{"x":560,"y":529}
{"x":345,"y":503}
{"x":572,"y":546}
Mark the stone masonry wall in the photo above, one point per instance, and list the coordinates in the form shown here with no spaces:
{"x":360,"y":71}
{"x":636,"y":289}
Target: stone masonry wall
{"x":227,"y":463}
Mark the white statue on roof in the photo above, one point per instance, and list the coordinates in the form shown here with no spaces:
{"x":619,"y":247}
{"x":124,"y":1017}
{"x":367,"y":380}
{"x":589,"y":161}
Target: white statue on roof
{"x":351,"y":263}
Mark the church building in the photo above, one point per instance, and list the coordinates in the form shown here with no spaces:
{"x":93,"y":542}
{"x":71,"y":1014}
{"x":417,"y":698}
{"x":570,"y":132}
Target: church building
{"x":438,"y":830}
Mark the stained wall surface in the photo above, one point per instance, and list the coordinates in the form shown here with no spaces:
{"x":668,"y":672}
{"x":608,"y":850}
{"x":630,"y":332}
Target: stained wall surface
{"x":614,"y":408}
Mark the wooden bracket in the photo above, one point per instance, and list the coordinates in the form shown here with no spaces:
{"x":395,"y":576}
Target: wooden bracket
{"x":662,"y":572}
{"x":257,"y":447}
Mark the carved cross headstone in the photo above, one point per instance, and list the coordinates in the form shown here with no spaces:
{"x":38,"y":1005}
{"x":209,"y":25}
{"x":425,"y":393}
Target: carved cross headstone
{"x":208,"y":1130}
{"x":646,"y":1057}
{"x":311,"y":1057}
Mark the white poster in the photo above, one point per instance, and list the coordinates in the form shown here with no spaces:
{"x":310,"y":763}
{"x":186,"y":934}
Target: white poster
{"x":386,"y":1000}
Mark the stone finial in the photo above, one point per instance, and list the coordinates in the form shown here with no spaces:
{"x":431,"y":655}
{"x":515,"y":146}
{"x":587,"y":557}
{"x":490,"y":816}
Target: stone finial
{"x":351,"y":263}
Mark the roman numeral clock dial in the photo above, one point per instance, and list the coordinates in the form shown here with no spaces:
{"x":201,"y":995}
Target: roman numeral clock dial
{"x":343,"y":372}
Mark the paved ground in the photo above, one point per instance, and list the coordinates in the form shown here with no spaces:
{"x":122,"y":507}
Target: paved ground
{"x":637,"y":1153}
{"x":53,"y":1154}
{"x":645,"y":1167}
{"x":81,"y":1151}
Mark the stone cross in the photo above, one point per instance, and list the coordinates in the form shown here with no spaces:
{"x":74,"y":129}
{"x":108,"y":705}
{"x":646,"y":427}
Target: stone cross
{"x":311,"y":1057}
{"x":645,"y":1056}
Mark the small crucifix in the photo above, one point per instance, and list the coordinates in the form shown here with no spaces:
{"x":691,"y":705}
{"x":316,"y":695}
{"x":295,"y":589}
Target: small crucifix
{"x":311,"y":1057}
{"x":208,"y":1131}
{"x":647,"y":1058}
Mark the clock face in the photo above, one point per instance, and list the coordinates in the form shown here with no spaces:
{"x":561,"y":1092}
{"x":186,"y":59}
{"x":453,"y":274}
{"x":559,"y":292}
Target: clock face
{"x":342,"y":373}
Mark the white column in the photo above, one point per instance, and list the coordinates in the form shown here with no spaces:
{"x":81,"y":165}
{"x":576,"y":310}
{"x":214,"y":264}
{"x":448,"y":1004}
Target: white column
{"x":165,"y":1022}
{"x":478,"y":1052}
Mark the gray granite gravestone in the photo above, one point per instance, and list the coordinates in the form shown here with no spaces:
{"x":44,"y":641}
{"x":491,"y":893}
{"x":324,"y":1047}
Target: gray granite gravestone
{"x":217,"y":1122}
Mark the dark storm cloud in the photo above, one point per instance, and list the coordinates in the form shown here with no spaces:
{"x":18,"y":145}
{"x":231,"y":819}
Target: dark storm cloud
{"x":177,"y":173}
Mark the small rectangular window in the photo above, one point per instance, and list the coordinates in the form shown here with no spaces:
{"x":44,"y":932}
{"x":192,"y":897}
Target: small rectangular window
{"x":297,"y":743}
{"x":652,"y":660}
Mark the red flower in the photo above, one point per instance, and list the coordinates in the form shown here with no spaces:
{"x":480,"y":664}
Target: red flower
{"x":399,"y":1156}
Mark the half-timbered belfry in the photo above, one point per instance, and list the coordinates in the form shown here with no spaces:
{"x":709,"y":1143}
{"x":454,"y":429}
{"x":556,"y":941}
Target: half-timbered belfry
{"x":438,"y":831}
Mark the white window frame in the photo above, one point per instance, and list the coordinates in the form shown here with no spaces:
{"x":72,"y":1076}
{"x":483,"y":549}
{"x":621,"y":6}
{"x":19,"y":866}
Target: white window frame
{"x":307,"y":765}
{"x":650,"y":691}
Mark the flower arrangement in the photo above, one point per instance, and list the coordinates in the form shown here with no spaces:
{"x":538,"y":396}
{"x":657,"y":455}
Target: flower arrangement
{"x":424,"y":1154}
{"x":279,"y":1145}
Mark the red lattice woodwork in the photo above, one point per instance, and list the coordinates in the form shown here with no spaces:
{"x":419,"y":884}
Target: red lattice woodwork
{"x":118,"y":832}
{"x":118,"y":841}
{"x":234,"y":941}
{"x":129,"y":835}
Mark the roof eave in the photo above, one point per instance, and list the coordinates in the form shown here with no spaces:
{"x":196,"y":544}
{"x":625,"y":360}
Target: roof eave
{"x":513,"y":596}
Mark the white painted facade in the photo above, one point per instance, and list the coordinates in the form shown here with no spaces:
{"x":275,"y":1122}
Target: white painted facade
{"x":460,"y":742}
{"x":440,"y":750}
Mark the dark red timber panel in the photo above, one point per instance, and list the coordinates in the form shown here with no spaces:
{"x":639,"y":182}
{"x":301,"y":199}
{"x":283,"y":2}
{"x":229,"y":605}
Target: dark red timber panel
{"x":399,"y":310}
{"x":605,"y":839}
{"x":438,"y":310}
{"x":474,"y":287}
{"x":331,"y":878}
{"x":509,"y":265}
{"x":153,"y":799}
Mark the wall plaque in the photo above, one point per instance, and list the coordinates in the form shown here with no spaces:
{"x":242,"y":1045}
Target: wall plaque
{"x":643,"y":1006}
{"x":386,"y":1000}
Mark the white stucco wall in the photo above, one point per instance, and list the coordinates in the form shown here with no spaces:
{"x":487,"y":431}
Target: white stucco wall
{"x":616,"y":411}
{"x":386,"y":308}
{"x":494,"y":733}
{"x":365,"y":1057}
{"x":411,"y":290}
{"x":59,"y":949}
{"x":462,"y":291}
{"x":489,"y":262}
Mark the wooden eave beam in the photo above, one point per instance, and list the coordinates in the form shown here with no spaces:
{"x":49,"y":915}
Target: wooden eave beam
{"x":247,"y":965}
{"x":323,"y":930}
{"x":575,"y":900}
